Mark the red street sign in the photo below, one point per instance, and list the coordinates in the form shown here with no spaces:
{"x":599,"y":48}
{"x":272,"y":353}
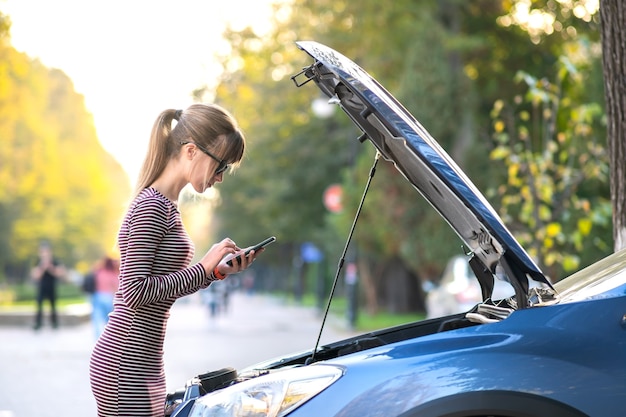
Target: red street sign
{"x":332,"y":198}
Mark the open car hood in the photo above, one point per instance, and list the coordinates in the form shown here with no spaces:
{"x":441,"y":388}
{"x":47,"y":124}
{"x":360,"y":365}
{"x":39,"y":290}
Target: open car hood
{"x":401,"y":139}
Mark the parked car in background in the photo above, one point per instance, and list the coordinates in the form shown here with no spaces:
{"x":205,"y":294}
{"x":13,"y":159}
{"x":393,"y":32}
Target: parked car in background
{"x":458,"y":290}
{"x":545,"y":350}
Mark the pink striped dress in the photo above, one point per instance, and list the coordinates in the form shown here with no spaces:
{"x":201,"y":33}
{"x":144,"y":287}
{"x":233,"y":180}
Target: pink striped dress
{"x":126,"y":368}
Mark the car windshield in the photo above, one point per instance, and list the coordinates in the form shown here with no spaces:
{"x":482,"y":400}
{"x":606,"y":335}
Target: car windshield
{"x":605,"y":275}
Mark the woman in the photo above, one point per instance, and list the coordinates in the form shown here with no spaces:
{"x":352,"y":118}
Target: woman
{"x":106,"y":280}
{"x":126,"y":369}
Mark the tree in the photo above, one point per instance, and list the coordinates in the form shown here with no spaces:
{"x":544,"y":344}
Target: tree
{"x":548,"y":142}
{"x":295,"y":156}
{"x":446,"y":61}
{"x":613,"y":28}
{"x":58,"y":183}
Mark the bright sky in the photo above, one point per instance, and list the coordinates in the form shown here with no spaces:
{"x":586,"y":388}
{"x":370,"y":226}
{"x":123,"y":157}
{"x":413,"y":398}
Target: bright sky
{"x":131,"y":59}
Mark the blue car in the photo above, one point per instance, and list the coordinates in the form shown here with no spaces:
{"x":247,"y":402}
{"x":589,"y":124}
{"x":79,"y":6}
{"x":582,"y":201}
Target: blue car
{"x":547,"y":350}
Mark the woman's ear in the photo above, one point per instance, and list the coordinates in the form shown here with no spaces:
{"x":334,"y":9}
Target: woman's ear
{"x":189,"y":150}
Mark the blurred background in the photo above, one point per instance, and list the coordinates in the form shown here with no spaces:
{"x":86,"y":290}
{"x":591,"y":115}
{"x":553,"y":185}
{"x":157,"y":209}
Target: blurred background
{"x":512,"y":89}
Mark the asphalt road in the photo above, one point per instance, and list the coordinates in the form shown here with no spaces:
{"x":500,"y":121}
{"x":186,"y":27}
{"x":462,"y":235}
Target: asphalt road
{"x":45,"y":373}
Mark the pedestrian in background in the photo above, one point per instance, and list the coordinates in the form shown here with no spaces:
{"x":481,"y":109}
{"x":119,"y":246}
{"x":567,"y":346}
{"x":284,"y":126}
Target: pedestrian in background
{"x":216,"y":298}
{"x":194,"y":146}
{"x":210,"y":297}
{"x":106,"y":282}
{"x":46,"y":274}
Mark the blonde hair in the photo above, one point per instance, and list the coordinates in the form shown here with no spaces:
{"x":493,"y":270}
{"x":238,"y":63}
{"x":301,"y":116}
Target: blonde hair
{"x":207,"y":125}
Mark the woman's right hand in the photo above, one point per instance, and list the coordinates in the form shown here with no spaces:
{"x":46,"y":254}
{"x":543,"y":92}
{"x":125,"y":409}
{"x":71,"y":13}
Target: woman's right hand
{"x":217,"y":252}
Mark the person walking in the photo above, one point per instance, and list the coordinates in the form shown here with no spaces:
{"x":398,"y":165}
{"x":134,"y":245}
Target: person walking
{"x":46,"y":274}
{"x":106,"y":282}
{"x":195,"y":146}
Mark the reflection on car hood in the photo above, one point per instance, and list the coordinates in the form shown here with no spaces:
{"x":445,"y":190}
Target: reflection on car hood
{"x":400,"y":138}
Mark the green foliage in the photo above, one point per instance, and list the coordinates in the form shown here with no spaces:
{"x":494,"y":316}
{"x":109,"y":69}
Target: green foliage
{"x":557,"y":169}
{"x":28,"y":292}
{"x":365,"y":322}
{"x":395,"y":221}
{"x":293,"y":155}
{"x":370,"y":322}
{"x":5,"y":26}
{"x":446,"y":61}
{"x":58,"y":183}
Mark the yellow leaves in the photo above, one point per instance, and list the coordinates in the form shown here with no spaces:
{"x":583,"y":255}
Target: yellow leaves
{"x":523,"y":133}
{"x":545,"y":213}
{"x":524,"y":116}
{"x":498,"y":105}
{"x":550,"y":258}
{"x":509,"y":200}
{"x":553,"y":230}
{"x":514,"y":180}
{"x":471,"y":71}
{"x":545,"y":190}
{"x":584,"y":226}
{"x":500,"y":152}
{"x":57,"y":177}
{"x":551,"y":154}
{"x":566,"y":261}
{"x":524,"y":193}
{"x":570,"y":263}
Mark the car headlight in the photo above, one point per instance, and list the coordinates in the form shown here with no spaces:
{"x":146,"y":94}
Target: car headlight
{"x":272,"y":395}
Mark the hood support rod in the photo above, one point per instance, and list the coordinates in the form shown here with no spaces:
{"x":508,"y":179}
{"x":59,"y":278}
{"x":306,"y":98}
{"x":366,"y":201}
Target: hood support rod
{"x":311,"y":359}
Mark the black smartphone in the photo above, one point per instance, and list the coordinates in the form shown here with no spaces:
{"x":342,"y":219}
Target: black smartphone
{"x":255,"y":248}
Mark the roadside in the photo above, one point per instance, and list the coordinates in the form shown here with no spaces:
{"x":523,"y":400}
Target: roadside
{"x":45,"y":373}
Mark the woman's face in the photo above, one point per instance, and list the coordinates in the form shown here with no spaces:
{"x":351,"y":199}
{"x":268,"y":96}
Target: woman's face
{"x":202,"y":174}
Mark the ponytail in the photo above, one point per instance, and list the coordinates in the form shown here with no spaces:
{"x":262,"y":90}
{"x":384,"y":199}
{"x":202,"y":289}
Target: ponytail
{"x":160,"y":150}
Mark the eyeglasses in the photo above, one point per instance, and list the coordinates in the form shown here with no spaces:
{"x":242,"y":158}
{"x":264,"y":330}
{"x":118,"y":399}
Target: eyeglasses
{"x":222,"y":164}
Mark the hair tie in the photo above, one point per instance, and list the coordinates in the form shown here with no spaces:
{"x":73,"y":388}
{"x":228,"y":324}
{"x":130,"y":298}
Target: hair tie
{"x":177,"y":114}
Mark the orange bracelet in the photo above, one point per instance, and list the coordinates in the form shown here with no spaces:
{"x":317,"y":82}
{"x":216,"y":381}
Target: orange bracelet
{"x":218,"y":275}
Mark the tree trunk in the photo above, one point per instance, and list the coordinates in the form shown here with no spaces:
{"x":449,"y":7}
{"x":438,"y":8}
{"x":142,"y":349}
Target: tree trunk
{"x":369,"y":286}
{"x":401,"y":292}
{"x":613,"y":29}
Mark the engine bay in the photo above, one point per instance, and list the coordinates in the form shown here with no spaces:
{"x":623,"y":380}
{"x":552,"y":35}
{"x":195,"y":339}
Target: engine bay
{"x":179,"y":402}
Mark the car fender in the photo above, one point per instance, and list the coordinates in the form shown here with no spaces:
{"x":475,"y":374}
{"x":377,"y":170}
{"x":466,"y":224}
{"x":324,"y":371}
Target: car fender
{"x":499,"y":403}
{"x":435,"y":370}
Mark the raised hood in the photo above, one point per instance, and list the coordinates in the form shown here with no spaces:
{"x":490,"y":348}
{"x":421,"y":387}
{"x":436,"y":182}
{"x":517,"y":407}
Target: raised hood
{"x":401,"y":139}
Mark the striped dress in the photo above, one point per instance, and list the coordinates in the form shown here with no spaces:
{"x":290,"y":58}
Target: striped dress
{"x":126,"y":368}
